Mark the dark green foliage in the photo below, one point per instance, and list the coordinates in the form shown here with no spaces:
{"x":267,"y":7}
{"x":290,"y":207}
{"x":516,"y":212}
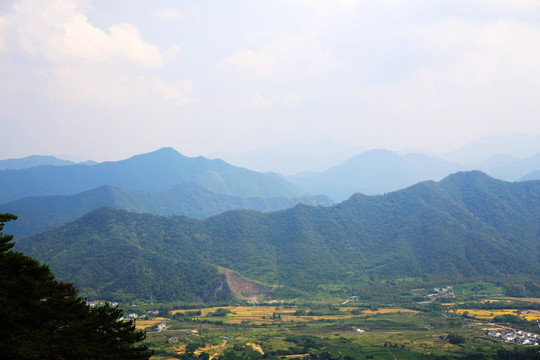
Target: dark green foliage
{"x":42,"y":318}
{"x":220,"y":312}
{"x":467,"y":227}
{"x":508,"y":318}
{"x":519,"y":322}
{"x":115,"y":256}
{"x":305,"y":342}
{"x":455,"y":339}
{"x":517,"y":290}
{"x":532,"y":288}
{"x":238,"y":352}
{"x":5,"y":243}
{"x":532,"y":353}
{"x":41,"y":213}
{"x":492,"y":305}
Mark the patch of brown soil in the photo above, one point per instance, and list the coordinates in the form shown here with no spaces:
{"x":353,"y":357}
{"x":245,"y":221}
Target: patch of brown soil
{"x":242,"y":287}
{"x":256,"y":347}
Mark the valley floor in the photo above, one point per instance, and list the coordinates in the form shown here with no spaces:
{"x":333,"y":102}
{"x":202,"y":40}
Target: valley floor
{"x":331,"y":330}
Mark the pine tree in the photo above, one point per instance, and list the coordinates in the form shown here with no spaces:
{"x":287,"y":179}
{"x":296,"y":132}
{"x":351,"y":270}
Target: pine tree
{"x":41,"y":318}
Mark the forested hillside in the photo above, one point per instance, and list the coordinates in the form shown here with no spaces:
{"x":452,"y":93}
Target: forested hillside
{"x":468,"y":226}
{"x":41,"y":213}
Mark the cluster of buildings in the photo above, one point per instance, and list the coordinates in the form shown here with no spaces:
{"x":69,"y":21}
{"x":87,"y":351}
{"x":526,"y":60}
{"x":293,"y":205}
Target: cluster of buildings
{"x":516,"y":336}
{"x":444,"y":292}
{"x":93,"y":304}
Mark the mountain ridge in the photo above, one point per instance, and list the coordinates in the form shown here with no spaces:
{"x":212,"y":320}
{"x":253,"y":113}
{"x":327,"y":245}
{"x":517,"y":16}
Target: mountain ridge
{"x":432,"y":230}
{"x":157,"y":170}
{"x":38,"y":214}
{"x":374,"y":172}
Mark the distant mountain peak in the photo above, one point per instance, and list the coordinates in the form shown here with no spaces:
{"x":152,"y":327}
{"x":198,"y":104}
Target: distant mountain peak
{"x":165,"y":152}
{"x":471,"y":174}
{"x":474,"y":179}
{"x":33,"y":161}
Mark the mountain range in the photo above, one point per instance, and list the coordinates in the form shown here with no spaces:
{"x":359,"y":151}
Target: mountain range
{"x":370,"y":172}
{"x":293,"y":159}
{"x":468,"y":226}
{"x":374,"y":172}
{"x":381,"y":171}
{"x":33,"y":161}
{"x":158,"y":170}
{"x":519,"y":146}
{"x":40,"y":213}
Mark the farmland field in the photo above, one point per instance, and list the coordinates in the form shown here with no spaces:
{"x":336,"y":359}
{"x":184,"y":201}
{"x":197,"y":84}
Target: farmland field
{"x":530,"y":315}
{"x":352,"y":331}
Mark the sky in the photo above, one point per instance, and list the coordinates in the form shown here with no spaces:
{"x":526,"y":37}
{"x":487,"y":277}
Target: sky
{"x":104,"y":80}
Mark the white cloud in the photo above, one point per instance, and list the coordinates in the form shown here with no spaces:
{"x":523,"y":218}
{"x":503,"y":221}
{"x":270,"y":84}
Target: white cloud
{"x":57,"y":32}
{"x":328,"y":13}
{"x":481,"y":75}
{"x":179,"y":93}
{"x":522,"y":5}
{"x":170,"y":13}
{"x":299,"y":56}
{"x":3,"y":27}
{"x":175,"y":13}
{"x":173,"y":53}
{"x":97,"y":86}
{"x":258,"y":101}
{"x":292,"y":99}
{"x":477,"y":51}
{"x":72,"y":61}
{"x":235,"y":103}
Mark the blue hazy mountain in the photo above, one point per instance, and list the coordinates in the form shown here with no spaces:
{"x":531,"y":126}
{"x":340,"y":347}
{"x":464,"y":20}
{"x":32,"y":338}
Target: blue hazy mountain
{"x":520,"y":146}
{"x":41,"y":213}
{"x":493,"y":162}
{"x":516,"y":170}
{"x":291,"y":159}
{"x":535,"y":175}
{"x":374,"y":172}
{"x":158,"y":170}
{"x":33,"y":161}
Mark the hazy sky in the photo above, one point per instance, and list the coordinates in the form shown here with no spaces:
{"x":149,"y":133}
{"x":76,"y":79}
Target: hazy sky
{"x":105,"y":79}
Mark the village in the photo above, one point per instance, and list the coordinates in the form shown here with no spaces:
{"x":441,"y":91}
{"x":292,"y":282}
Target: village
{"x":516,"y":336}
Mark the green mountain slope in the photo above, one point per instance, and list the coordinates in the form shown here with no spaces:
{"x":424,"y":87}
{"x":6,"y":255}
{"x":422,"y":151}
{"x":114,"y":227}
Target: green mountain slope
{"x":158,"y":170}
{"x":468,"y":226}
{"x":41,"y":213}
{"x":115,"y":254}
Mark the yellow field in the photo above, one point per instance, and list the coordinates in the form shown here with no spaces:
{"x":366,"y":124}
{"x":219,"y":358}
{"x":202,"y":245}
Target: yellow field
{"x":537,"y":300}
{"x":489,"y":314}
{"x":142,"y":324}
{"x":531,"y":315}
{"x":390,"y":311}
{"x":263,"y":314}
